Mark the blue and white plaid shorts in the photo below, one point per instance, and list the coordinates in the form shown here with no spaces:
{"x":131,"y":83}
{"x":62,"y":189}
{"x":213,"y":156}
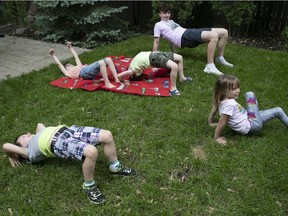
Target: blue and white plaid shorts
{"x":71,"y":143}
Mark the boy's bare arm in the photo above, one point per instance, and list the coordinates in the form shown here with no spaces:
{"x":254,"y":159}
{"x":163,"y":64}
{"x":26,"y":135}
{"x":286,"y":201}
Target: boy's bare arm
{"x":124,"y":73}
{"x":77,"y":60}
{"x":57,"y":61}
{"x":40,"y":127}
{"x":13,"y":152}
{"x":173,"y":48}
{"x":156,"y":43}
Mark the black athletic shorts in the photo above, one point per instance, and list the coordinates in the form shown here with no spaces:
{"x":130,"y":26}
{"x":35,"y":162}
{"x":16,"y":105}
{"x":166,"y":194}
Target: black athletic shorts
{"x":192,"y":37}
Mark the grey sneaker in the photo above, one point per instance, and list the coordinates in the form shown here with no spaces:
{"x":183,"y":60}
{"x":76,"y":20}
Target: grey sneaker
{"x":124,"y":171}
{"x":212,"y":70}
{"x":94,"y":195}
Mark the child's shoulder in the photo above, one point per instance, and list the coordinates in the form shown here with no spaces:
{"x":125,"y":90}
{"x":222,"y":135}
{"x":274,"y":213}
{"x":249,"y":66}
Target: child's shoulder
{"x":228,"y":102}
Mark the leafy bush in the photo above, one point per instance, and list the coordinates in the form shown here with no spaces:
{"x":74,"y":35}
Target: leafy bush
{"x":285,"y":34}
{"x":90,"y":21}
{"x":13,"y":12}
{"x":236,"y":13}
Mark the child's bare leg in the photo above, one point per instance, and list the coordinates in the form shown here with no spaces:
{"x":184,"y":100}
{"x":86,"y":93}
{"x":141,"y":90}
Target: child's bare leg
{"x":104,"y":74}
{"x":106,"y":137}
{"x":173,"y":74}
{"x":223,"y":37}
{"x":179,"y":59}
{"x":112,"y":68}
{"x":211,"y":37}
{"x":88,"y":166}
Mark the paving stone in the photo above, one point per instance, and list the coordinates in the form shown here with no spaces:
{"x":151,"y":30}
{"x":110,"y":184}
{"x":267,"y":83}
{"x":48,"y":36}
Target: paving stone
{"x":21,"y":55}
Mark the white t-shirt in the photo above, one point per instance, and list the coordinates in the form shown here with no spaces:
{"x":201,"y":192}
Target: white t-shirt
{"x":238,"y":119}
{"x":170,"y":31}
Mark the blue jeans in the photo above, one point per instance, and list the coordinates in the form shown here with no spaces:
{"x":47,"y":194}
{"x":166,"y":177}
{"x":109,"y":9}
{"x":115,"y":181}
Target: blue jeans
{"x":258,"y":118}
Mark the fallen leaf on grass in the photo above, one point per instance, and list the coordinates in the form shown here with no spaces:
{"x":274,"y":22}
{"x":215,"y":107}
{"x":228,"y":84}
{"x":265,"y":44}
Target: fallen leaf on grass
{"x":10,"y":211}
{"x":199,"y":153}
{"x":230,"y":190}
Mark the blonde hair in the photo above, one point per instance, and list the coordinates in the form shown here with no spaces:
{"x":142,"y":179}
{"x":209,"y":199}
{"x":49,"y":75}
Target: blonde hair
{"x":224,"y":84}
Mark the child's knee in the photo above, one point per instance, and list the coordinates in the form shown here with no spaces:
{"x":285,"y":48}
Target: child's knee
{"x":102,"y":63}
{"x":250,"y":94}
{"x":172,"y":65}
{"x":178,"y":57}
{"x":90,"y":152}
{"x":279,"y":110}
{"x":108,"y":60}
{"x":105,"y":136}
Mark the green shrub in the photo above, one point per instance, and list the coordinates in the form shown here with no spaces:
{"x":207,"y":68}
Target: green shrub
{"x":89,"y":21}
{"x":13,"y":12}
{"x":236,"y":13}
{"x":285,"y":34}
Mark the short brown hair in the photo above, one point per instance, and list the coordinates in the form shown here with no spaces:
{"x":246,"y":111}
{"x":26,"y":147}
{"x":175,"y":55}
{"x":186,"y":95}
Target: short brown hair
{"x":163,"y":7}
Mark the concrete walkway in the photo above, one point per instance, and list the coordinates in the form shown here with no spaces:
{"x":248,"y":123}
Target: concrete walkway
{"x":21,"y":55}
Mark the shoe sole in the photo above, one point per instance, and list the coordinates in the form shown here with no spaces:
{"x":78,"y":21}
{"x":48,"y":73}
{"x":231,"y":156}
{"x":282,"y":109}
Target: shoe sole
{"x":97,"y":203}
{"x":115,"y":174}
{"x":208,"y":72}
{"x":230,"y":66}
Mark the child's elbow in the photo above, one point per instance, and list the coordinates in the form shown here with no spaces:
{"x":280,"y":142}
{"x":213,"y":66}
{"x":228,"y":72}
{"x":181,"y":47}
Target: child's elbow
{"x":6,"y":147}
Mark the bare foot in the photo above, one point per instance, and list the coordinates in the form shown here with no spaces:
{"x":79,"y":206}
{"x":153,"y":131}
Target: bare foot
{"x":185,"y":80}
{"x":117,"y":81}
{"x":110,"y":86}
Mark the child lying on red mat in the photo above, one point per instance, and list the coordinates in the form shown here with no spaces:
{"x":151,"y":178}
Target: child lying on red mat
{"x":87,"y":72}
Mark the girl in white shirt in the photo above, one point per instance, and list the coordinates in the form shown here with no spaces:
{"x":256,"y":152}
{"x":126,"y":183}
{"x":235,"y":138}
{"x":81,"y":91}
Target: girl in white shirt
{"x":239,"y":119}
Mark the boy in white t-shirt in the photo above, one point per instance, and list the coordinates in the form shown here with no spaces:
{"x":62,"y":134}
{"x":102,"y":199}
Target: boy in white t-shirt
{"x":182,"y":37}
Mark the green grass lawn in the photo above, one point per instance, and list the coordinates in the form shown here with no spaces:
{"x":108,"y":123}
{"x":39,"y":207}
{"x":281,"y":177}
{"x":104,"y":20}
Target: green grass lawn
{"x":181,"y":170}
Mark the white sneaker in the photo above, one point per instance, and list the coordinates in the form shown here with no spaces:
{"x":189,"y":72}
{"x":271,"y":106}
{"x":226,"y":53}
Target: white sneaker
{"x":212,"y":70}
{"x":224,"y":62}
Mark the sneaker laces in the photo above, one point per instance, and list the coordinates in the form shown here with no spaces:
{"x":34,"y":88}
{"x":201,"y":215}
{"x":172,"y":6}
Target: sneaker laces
{"x":123,"y":171}
{"x":126,"y":170}
{"x":93,"y":192}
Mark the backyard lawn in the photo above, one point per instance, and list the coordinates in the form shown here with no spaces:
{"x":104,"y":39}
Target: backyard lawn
{"x":181,"y":170}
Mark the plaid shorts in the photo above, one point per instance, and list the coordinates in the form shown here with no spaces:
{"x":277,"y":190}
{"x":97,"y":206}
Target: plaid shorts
{"x":160,"y":59}
{"x":71,"y":143}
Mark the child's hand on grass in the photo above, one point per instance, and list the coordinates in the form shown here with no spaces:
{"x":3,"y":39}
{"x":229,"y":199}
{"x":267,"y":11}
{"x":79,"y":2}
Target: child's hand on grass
{"x":14,"y":162}
{"x":213,"y":124}
{"x":221,"y":140}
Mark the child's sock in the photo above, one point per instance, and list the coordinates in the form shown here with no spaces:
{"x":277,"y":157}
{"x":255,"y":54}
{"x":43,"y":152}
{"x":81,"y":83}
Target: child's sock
{"x":220,"y":58}
{"x":210,"y":65}
{"x":114,"y":166}
{"x":88,"y":184}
